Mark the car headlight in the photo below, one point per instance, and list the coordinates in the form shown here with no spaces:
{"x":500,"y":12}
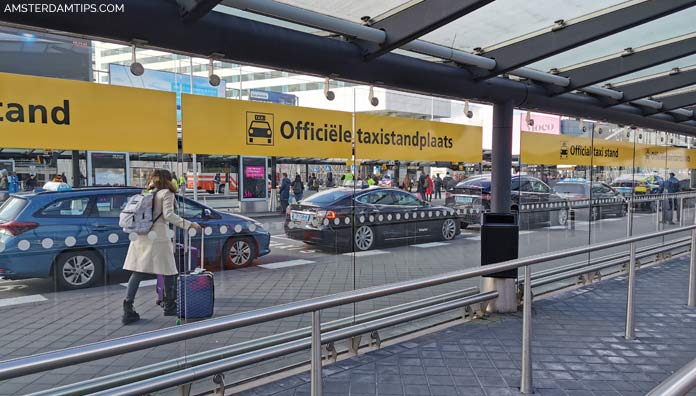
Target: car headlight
{"x":258,"y":225}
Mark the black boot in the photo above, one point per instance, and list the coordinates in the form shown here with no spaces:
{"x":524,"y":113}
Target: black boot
{"x":129,"y":314}
{"x":169,"y":305}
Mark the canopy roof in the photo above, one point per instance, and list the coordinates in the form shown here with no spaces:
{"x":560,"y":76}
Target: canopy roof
{"x":627,"y":62}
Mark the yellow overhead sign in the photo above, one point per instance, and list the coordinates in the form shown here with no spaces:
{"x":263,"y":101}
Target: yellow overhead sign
{"x":49,"y":113}
{"x":544,"y":149}
{"x":226,"y":126}
{"x":380,"y":137}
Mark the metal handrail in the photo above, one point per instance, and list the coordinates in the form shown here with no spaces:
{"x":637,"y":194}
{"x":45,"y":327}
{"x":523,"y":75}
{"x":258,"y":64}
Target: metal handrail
{"x":680,"y":383}
{"x":189,"y":375}
{"x":103,"y":349}
{"x":174,"y":365}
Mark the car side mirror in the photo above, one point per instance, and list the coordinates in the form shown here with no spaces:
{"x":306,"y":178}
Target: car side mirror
{"x":207,"y":213}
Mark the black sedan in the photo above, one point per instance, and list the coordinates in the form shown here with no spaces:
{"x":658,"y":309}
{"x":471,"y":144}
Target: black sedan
{"x":601,"y":198}
{"x":345,"y":219}
{"x":472,"y":197}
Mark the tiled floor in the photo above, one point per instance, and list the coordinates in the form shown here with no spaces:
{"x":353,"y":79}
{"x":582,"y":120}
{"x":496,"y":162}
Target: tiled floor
{"x":578,"y":348}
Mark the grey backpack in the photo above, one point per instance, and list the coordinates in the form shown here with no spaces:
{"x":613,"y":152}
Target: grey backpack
{"x":137,"y":215}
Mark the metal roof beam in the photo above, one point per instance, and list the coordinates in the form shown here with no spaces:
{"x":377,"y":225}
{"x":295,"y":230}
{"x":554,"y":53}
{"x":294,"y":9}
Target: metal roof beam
{"x":674,"y":102}
{"x":192,"y":10}
{"x":417,"y":20}
{"x":628,"y":62}
{"x":255,"y":43}
{"x":563,"y":37}
{"x":301,"y":16}
{"x":653,"y":86}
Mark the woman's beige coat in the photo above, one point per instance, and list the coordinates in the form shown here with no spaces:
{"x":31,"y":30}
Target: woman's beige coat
{"x":156,"y":255}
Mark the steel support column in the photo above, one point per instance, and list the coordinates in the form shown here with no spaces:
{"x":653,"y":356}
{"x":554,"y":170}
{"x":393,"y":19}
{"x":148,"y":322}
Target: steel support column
{"x":501,"y":157}
{"x":501,"y":160}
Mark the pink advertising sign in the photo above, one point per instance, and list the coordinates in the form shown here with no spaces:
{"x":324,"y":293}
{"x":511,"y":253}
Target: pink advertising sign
{"x":254,"y":172}
{"x":542,"y":124}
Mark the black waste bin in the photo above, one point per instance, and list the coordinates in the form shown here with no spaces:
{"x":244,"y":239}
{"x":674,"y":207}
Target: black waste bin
{"x":499,"y":241}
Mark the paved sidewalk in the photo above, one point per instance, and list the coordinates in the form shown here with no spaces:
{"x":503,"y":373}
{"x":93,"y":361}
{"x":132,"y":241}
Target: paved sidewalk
{"x":578,"y":347}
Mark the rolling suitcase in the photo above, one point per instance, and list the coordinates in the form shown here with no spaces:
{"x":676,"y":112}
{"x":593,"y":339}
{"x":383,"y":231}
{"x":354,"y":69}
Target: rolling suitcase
{"x":183,"y":260}
{"x":195,"y":290}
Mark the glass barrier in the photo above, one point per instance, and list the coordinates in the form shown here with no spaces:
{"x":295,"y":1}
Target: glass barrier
{"x":381,"y":205}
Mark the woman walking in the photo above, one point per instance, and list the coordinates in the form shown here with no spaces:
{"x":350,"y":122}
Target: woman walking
{"x":154,"y":253}
{"x":428,"y":188}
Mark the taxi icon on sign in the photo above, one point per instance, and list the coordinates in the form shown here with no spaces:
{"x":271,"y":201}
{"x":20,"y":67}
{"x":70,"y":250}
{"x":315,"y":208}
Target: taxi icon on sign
{"x":259,"y":128}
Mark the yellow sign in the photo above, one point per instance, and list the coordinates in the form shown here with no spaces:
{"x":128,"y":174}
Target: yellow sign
{"x":544,"y":149}
{"x":380,"y":137}
{"x":226,"y":126}
{"x":39,"y":112}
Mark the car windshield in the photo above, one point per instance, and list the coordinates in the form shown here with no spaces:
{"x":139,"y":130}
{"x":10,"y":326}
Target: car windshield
{"x":327,"y":196}
{"x":11,"y":208}
{"x":475,"y":183}
{"x":569,"y":188}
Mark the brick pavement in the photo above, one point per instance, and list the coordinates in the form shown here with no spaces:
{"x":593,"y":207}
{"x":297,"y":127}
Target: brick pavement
{"x":578,"y":345}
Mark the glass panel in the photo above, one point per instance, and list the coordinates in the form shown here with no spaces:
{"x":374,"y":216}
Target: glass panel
{"x":649,"y":33}
{"x":504,"y":20}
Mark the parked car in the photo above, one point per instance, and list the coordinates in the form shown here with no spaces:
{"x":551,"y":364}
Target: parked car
{"x":473,"y":197}
{"x":74,"y":237}
{"x":355,"y":184}
{"x":580,"y":189}
{"x":343,"y":218}
{"x":386,"y":181}
{"x":639,"y":184}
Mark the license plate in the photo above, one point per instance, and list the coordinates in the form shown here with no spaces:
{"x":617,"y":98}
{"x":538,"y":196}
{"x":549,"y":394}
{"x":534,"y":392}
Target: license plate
{"x":300,"y":216}
{"x":463,"y":199}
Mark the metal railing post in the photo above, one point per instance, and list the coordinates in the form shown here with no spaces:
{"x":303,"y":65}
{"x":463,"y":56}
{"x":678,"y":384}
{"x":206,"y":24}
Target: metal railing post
{"x":526,"y":380}
{"x":316,"y":380}
{"x":681,"y":211}
{"x":657,"y":214}
{"x":629,"y":224}
{"x":630,"y":304}
{"x":692,"y":271}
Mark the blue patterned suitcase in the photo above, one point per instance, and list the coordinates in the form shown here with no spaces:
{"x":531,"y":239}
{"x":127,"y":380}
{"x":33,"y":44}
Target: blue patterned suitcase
{"x":195,"y":290}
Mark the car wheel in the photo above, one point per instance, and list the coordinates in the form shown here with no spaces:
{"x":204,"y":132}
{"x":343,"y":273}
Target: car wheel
{"x":622,"y":211}
{"x":595,"y":213}
{"x":449,"y":229}
{"x":559,"y":218}
{"x":364,"y":238}
{"x":239,"y":253}
{"x":77,"y":269}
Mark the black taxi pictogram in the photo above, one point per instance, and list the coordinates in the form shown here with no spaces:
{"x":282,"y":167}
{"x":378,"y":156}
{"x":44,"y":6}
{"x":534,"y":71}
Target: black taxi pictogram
{"x":259,"y":128}
{"x":564,"y":150}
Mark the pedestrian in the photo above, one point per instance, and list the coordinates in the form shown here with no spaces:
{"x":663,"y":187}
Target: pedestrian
{"x":451,"y":184}
{"x":182,"y":184}
{"x":329,"y":180}
{"x":421,"y":187}
{"x":284,"y":193}
{"x":446,"y":181}
{"x":370,"y":181}
{"x":673,"y":188}
{"x":30,"y":183}
{"x":429,"y":186}
{"x":407,"y":184}
{"x":155,"y":255}
{"x":438,"y":187}
{"x":13,"y":185}
{"x":4,"y":180}
{"x":297,"y":188}
{"x":175,"y":180}
{"x":63,"y":178}
{"x":216,"y":181}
